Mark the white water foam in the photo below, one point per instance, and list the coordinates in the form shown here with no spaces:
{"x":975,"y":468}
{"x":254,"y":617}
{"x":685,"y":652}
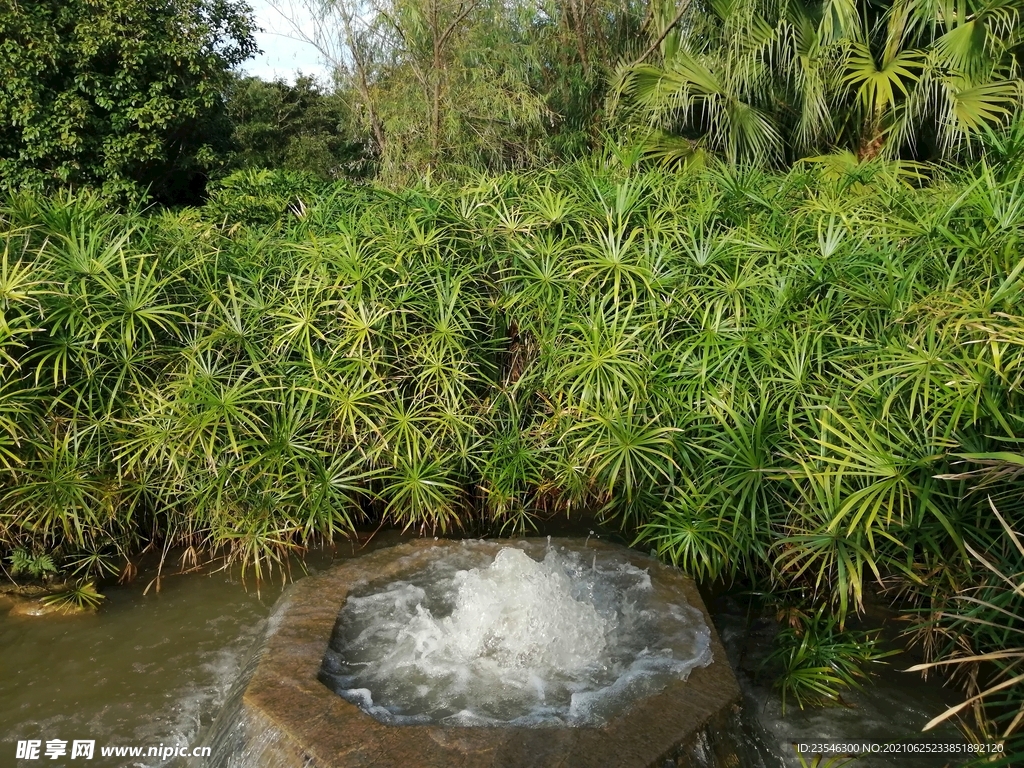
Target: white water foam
{"x":570,"y":640}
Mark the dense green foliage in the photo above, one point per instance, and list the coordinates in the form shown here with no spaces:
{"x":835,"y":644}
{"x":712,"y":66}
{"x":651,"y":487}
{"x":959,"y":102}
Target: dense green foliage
{"x":765,"y":377}
{"x":120,"y":94}
{"x":263,"y":197}
{"x":771,"y":81}
{"x":760,"y":373}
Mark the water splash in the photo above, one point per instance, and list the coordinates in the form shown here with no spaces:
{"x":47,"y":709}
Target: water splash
{"x":469,"y":640}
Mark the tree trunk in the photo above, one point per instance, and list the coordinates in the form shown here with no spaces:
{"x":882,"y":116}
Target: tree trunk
{"x":872,"y":140}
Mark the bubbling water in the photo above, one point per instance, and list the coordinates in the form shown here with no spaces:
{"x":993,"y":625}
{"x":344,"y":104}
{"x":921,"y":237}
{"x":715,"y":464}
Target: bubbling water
{"x":471,"y":640}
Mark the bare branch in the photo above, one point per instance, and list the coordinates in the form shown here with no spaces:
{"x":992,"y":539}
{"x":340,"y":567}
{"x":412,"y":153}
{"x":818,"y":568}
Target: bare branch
{"x":664,"y":33}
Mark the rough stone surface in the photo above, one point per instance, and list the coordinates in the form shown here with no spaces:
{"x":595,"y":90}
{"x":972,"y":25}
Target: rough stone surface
{"x":30,"y":607}
{"x":303,"y":723}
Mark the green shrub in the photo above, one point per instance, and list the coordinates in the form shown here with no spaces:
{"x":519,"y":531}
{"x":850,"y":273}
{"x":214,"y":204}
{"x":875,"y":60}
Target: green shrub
{"x":262,"y":197}
{"x":817,"y":660}
{"x":35,"y":565}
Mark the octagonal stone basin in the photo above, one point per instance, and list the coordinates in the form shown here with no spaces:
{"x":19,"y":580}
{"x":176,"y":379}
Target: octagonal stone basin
{"x":292,"y":719}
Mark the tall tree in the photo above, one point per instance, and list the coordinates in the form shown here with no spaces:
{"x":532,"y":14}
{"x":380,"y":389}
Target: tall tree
{"x":478,"y":83}
{"x":575,"y":46}
{"x":122,"y":94}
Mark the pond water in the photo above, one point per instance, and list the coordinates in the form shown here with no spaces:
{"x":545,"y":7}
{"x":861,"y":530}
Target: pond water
{"x":154,"y":669}
{"x":147,"y":670}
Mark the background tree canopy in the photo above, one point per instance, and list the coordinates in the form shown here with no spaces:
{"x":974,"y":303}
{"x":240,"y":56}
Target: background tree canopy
{"x":130,"y":95}
{"x":773,"y":81}
{"x":300,"y":127}
{"x":441,"y":86}
{"x":117,"y":94}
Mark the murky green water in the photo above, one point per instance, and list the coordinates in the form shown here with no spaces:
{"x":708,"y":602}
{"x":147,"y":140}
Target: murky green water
{"x":144,"y":671}
{"x":155,"y":669}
